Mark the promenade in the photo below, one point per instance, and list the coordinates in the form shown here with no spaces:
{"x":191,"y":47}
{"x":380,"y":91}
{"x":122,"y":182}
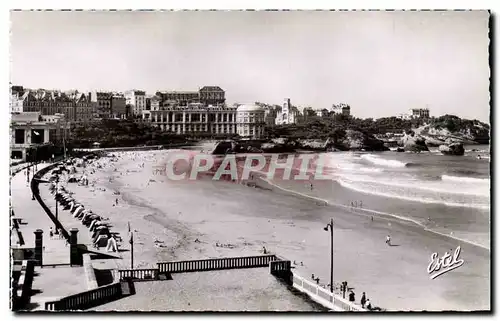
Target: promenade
{"x":56,"y":279}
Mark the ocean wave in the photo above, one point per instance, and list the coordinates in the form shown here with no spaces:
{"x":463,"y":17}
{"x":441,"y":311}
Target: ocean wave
{"x":464,"y":179}
{"x":391,"y":194}
{"x":383,"y":162}
{"x":434,"y":184}
{"x":369,"y":211}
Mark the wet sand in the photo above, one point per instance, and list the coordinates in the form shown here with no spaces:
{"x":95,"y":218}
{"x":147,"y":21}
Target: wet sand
{"x":177,"y":213}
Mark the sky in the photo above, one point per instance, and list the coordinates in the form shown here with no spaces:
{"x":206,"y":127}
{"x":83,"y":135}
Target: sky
{"x":380,"y":63}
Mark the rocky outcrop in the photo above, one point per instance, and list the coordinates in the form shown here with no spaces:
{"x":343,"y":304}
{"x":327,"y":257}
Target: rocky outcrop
{"x":456,"y":149}
{"x":352,"y":140}
{"x":414,"y":143}
{"x":356,"y":140}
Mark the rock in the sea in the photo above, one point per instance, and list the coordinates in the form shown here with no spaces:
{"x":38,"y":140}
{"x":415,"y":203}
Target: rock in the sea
{"x":452,"y":149}
{"x":415,"y":144}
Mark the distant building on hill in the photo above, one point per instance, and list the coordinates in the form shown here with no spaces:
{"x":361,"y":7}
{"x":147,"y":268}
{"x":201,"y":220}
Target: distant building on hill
{"x":420,"y":112}
{"x":415,"y":113}
{"x":288,"y":114}
{"x":341,"y":109}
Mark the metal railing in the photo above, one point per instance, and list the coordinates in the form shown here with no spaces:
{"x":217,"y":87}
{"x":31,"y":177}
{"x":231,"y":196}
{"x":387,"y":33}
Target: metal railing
{"x":139,"y":274}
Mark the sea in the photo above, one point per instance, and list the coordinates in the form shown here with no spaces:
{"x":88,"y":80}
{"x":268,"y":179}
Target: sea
{"x":444,"y":194}
{"x":449,"y":195}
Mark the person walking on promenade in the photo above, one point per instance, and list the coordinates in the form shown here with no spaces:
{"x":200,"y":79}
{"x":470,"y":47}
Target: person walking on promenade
{"x":51,"y":232}
{"x":363,"y":300}
{"x":388,"y":240}
{"x":352,"y":296}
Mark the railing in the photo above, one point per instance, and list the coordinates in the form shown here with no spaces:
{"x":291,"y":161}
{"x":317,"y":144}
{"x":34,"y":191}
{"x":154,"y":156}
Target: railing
{"x":280,"y":266}
{"x":88,"y":299}
{"x":323,"y":296}
{"x":139,"y":274}
{"x":216,"y":264}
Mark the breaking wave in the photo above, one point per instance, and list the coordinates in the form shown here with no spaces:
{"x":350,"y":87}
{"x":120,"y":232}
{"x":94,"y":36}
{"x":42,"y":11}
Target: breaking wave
{"x":383,"y":162}
{"x":464,"y":179}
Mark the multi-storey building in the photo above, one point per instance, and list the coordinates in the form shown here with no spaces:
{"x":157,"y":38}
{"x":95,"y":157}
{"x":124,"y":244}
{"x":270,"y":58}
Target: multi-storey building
{"x":207,"y":96}
{"x":212,"y":95}
{"x":136,"y":99}
{"x":76,"y":106}
{"x":183,"y":98}
{"x":102,"y":103}
{"x":118,"y":106}
{"x":16,"y":102}
{"x":193,"y":118}
{"x":250,"y":121}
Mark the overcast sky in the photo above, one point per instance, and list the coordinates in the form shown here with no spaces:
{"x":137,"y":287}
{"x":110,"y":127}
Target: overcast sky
{"x":381,"y":63}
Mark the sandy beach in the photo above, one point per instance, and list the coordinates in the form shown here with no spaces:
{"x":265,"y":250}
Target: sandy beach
{"x":168,"y":216}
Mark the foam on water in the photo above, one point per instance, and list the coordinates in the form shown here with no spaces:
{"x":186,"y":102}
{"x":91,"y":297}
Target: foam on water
{"x":464,"y":179}
{"x":374,"y":159}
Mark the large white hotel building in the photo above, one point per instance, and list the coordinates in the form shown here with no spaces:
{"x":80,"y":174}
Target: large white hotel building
{"x":204,"y":111}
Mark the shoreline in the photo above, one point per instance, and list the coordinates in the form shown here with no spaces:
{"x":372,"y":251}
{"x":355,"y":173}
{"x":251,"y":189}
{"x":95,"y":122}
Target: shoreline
{"x":401,"y":218}
{"x":249,"y":218}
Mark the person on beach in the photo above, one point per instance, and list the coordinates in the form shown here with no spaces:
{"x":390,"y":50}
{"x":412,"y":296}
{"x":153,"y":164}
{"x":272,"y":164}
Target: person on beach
{"x":51,"y":232}
{"x":363,"y":300}
{"x":264,"y":250}
{"x":116,"y":201}
{"x":388,"y":240}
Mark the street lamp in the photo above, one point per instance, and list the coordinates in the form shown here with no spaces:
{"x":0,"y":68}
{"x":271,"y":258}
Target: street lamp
{"x":57,"y":206}
{"x":330,"y":226}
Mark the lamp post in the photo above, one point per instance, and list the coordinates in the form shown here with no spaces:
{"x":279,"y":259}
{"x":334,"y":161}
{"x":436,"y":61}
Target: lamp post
{"x":330,"y":226}
{"x":57,"y":208}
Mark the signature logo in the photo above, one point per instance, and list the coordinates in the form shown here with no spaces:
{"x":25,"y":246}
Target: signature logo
{"x":444,"y":264}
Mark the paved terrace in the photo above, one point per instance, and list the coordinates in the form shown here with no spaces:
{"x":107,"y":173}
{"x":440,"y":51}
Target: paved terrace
{"x":252,"y":289}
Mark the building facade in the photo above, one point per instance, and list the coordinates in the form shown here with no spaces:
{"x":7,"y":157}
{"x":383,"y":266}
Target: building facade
{"x":30,"y":130}
{"x":419,"y":113}
{"x":207,"y":96}
{"x":136,"y":99}
{"x":212,"y":95}
{"x":102,"y":103}
{"x":250,"y":121}
{"x":77,"y":107}
{"x":183,"y":98}
{"x":15,"y":103}
{"x":193,"y":118}
{"x":118,"y":106}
